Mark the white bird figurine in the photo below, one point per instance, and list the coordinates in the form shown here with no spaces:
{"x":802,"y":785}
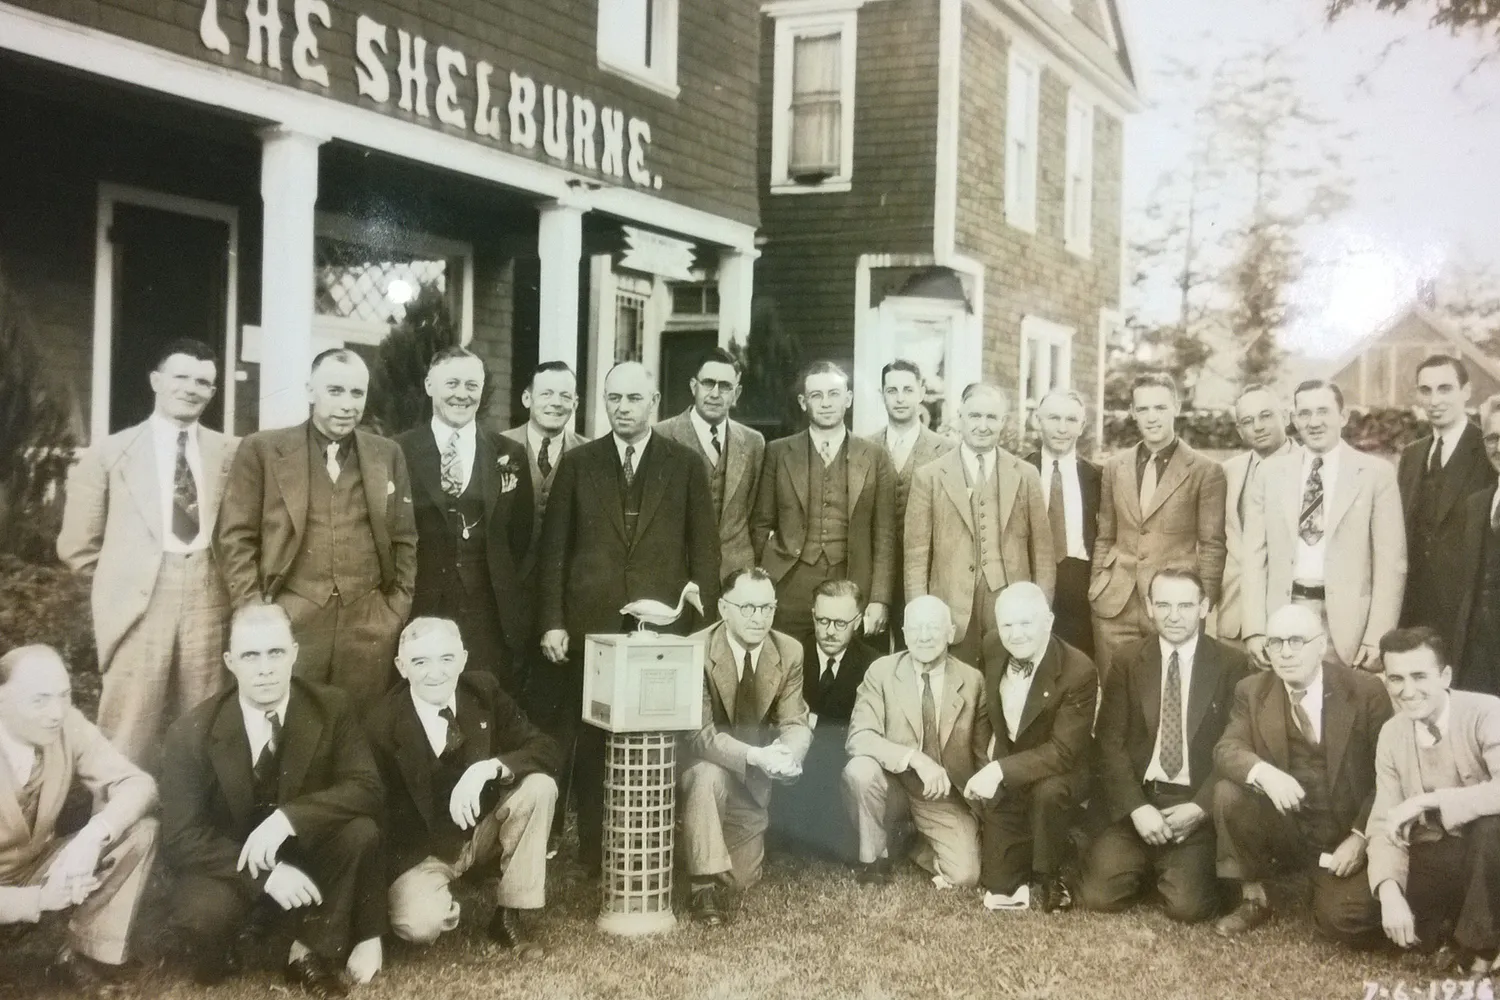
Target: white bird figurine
{"x":649,"y":612}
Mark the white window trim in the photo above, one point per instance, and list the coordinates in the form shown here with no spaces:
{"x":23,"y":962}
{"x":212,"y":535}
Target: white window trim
{"x":788,"y":29}
{"x":1021,"y":207}
{"x":1080,"y":160}
{"x":1035,"y":329}
{"x":662,"y":77}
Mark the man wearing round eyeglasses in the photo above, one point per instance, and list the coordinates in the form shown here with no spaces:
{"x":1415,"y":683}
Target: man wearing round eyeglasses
{"x":755,"y":731}
{"x":1296,"y":769}
{"x":834,"y":662}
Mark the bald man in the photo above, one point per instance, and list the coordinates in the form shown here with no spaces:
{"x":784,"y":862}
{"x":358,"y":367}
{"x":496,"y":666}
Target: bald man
{"x":917,"y":735}
{"x":630,"y":516}
{"x":1296,"y":769}
{"x":98,"y":873}
{"x":1040,"y":693}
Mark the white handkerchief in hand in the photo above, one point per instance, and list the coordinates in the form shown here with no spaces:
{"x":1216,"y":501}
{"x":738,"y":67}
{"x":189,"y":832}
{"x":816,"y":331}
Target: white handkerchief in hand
{"x":1325,"y":861}
{"x":1021,"y":900}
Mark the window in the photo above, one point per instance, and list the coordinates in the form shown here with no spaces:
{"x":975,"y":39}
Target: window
{"x":1078,"y":193}
{"x":1046,"y":358}
{"x":638,"y":39}
{"x":1023,"y":99}
{"x":812,"y":124}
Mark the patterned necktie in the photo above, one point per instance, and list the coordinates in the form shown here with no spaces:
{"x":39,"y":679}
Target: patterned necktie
{"x":744,"y":696}
{"x":1310,"y":524}
{"x":1304,"y":720}
{"x":1171,"y":719}
{"x":713,"y":437}
{"x":1148,"y":482}
{"x":184,"y":494}
{"x":544,"y":458}
{"x":454,"y":740}
{"x":452,"y":474}
{"x":332,"y":464}
{"x":265,"y":764}
{"x":629,"y":465}
{"x":1022,"y":667}
{"x":825,"y":451}
{"x":1433,"y":731}
{"x":931,"y":746}
{"x":1057,"y":515}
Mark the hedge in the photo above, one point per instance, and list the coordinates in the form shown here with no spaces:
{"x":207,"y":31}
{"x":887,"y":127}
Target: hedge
{"x":47,"y":603}
{"x":1385,"y":430}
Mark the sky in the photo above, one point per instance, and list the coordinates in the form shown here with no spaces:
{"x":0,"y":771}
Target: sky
{"x":1424,"y":159}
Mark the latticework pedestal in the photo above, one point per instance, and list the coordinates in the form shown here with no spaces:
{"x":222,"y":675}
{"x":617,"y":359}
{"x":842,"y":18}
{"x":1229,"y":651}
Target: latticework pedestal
{"x":640,"y":805}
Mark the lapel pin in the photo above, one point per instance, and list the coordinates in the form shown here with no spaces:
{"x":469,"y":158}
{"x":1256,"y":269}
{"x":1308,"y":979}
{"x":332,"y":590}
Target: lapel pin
{"x":483,"y":724}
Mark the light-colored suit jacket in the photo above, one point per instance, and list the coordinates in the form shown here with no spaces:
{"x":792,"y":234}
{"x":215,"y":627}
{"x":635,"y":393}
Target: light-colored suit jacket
{"x":1183,"y":526}
{"x":778,"y":699}
{"x":1231,"y":617}
{"x":939,"y":534}
{"x":541,"y":486}
{"x":747,"y":450}
{"x":122,"y":794}
{"x":1365,"y":558}
{"x":886,"y":724}
{"x":1473,"y":734}
{"x":112,"y":522}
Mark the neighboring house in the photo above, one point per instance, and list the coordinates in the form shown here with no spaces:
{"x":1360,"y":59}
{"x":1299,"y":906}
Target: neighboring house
{"x":941,"y":180}
{"x":576,"y":179}
{"x":1380,"y":370}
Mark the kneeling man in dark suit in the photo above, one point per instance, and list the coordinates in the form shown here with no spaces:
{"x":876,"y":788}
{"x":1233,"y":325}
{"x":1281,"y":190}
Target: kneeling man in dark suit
{"x":1296,"y":769}
{"x":469,"y":789}
{"x":269,"y":790}
{"x":1041,"y":694}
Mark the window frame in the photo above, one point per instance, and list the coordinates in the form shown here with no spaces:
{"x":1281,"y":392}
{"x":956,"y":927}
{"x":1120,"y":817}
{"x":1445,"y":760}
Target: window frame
{"x":1038,"y":331}
{"x":661,"y":77}
{"x":1078,"y":213}
{"x":1021,"y":205}
{"x":790,"y":28}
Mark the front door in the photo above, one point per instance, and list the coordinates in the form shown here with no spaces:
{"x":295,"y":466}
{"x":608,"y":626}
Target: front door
{"x":681,"y":353}
{"x":170,"y":278}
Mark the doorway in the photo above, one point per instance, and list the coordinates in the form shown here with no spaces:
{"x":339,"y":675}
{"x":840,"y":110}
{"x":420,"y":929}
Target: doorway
{"x":681,"y":352}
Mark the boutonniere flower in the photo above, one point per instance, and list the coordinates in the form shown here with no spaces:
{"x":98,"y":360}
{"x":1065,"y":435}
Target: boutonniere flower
{"x":509,"y":474}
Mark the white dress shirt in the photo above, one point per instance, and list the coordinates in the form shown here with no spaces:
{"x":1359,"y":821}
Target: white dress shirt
{"x":1308,"y":568}
{"x":979,"y":466}
{"x":467,"y":440}
{"x":1015,"y":688}
{"x":899,"y":443}
{"x":1072,"y":494}
{"x":1423,"y":737}
{"x":258,"y":727}
{"x":433,"y":724}
{"x":705,"y":434}
{"x":1447,"y":441}
{"x":1186,"y":653}
{"x":833,"y":439}
{"x":164,"y":436}
{"x":739,"y":652}
{"x":19,"y":757}
{"x":635,"y":459}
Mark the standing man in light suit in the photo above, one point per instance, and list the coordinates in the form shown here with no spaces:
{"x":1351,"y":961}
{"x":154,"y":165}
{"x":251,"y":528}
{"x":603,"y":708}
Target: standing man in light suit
{"x":976,"y":523}
{"x":139,"y":518}
{"x":1070,"y":488}
{"x":1162,"y":506}
{"x":731,"y":452}
{"x":1261,"y":419}
{"x":318,"y":518}
{"x":1323,"y":527}
{"x":909,"y":445}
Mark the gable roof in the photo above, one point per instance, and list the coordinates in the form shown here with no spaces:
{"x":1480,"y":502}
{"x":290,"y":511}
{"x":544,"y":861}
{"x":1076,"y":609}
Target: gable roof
{"x":1463,"y":346}
{"x":1103,"y":59}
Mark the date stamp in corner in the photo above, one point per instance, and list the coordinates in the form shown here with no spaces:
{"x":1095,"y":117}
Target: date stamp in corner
{"x":1435,"y":989}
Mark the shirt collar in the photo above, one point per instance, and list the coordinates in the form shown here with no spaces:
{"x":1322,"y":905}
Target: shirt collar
{"x":255,"y":711}
{"x":823,"y":657}
{"x":1449,"y":437}
{"x":739,"y":653}
{"x":441,"y":432}
{"x":167,"y":430}
{"x":1310,"y":695}
{"x":427,"y":710}
{"x":1165,"y":453}
{"x":704,"y":427}
{"x":1185,"y":652}
{"x":973,"y":459}
{"x":899,"y":438}
{"x":1070,"y":459}
{"x":834,"y":437}
{"x":321,"y":441}
{"x":1330,"y":460}
{"x":535,"y":437}
{"x":1444,"y":716}
{"x":21,"y":757}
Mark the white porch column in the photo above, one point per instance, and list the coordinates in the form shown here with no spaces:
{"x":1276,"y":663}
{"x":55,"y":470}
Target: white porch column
{"x":289,"y":191}
{"x":736,"y":289}
{"x":559,"y":244}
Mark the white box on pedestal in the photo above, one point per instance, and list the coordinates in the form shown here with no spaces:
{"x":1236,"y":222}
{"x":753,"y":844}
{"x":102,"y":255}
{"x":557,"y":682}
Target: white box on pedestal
{"x":639,"y":682}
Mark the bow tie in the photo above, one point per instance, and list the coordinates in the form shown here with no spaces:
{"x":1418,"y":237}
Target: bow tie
{"x":1022,"y":667}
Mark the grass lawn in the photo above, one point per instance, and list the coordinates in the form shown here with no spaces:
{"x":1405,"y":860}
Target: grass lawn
{"x":808,"y":932}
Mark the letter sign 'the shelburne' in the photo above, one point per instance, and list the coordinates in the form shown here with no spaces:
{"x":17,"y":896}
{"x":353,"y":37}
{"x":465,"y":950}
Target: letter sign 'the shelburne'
{"x":437,"y":82}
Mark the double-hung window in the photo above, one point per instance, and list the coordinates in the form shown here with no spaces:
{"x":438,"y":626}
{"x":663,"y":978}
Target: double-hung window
{"x":1022,"y":110}
{"x":1078,"y":193}
{"x":812,"y":124}
{"x":638,"y":39}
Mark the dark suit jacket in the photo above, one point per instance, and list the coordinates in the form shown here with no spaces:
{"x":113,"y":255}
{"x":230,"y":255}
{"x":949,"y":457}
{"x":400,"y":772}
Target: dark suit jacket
{"x":589,"y":569}
{"x":1467,"y":569}
{"x":1355,"y":706}
{"x":779,"y":524}
{"x":853,"y":663}
{"x":541,"y":488}
{"x":1468,"y":471}
{"x":1131,"y":712}
{"x":207,"y":789}
{"x":1056,"y":730}
{"x":505,"y":483}
{"x":492,"y":726}
{"x":1090,"y":480}
{"x":264,"y":512}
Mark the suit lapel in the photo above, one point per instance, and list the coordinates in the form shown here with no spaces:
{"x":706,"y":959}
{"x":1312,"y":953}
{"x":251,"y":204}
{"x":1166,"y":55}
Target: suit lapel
{"x":143,"y":480}
{"x":1345,"y":488}
{"x":1007,"y":485}
{"x":907,"y":685}
{"x":798,"y":456}
{"x":1338,"y":722}
{"x":412,"y":751}
{"x":211,"y":452}
{"x":1175,"y":475}
{"x":427,"y":467}
{"x":486,"y":454}
{"x":1150,"y":690}
{"x":302,"y":730}
{"x":229,"y":750}
{"x":474,"y":724}
{"x":374,"y":475}
{"x":55,"y":780}
{"x":1042,"y":683}
{"x":657,"y":466}
{"x":767,"y":677}
{"x":1274,"y":709}
{"x":1291,"y":494}
{"x":1236,"y":471}
{"x":290,"y":470}
{"x":1127,"y":492}
{"x":1205,"y":682}
{"x":953,"y":704}
{"x":859,"y":467}
{"x":11,"y":817}
{"x":957,"y":488}
{"x":607,"y":484}
{"x":738,"y":457}
{"x":1468,"y":452}
{"x":1410,"y":473}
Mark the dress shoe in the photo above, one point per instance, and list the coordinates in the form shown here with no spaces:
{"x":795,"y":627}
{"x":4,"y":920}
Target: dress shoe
{"x":83,"y":975}
{"x":505,"y":930}
{"x":1250,"y":914}
{"x":877,"y":872}
{"x":1052,"y":894}
{"x":316,"y":977}
{"x":705,"y":905}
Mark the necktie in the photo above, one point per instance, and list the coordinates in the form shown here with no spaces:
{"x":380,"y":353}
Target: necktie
{"x":265,"y":764}
{"x":744,"y":697}
{"x":184,"y":494}
{"x":332,"y":463}
{"x":1433,"y":731}
{"x":629,"y":465}
{"x":544,"y":458}
{"x":1310,"y":524}
{"x":1022,"y":667}
{"x":1171,"y":719}
{"x":452,"y":473}
{"x":930,"y":745}
{"x":1148,"y":482}
{"x":827,"y":678}
{"x":713,"y":436}
{"x":825,"y":450}
{"x":1057,"y":515}
{"x":1304,"y":721}
{"x":1435,"y":460}
{"x":454,"y":739}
